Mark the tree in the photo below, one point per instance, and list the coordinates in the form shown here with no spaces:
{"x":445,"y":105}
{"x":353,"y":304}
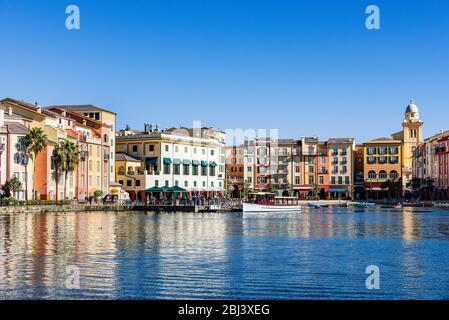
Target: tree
{"x":35,"y":141}
{"x":429,"y":185}
{"x":71,"y":159}
{"x":24,"y":154}
{"x":315,"y":191}
{"x":415,"y":184}
{"x":246,"y":189}
{"x":58,"y":166}
{"x":271,"y":188}
{"x":11,"y":186}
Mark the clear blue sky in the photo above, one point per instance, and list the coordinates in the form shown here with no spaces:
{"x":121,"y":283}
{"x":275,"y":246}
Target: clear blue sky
{"x":305,"y":67}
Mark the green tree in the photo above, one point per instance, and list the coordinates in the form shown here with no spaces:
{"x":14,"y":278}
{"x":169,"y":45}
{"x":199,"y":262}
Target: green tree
{"x":11,"y":186}
{"x":58,"y":166}
{"x":35,"y":142}
{"x":24,"y":156}
{"x":271,"y":188}
{"x":71,"y":160}
{"x":415,"y":185}
{"x":246,"y":189}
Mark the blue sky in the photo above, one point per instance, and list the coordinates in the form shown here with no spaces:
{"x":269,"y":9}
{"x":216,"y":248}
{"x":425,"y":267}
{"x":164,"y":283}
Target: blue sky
{"x":305,"y":67}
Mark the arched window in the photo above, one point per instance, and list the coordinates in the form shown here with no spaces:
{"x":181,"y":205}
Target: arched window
{"x":383,"y":175}
{"x":372,"y":175}
{"x":394,"y":175}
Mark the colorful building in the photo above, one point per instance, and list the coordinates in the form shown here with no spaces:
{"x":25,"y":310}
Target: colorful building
{"x":341,"y":157}
{"x":235,"y":170}
{"x":382,"y":163}
{"x":192,"y":159}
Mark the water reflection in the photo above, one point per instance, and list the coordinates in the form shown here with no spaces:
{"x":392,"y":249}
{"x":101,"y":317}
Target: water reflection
{"x":319,"y":253}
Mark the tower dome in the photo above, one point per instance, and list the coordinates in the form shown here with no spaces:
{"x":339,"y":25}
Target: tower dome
{"x":412,"y":107}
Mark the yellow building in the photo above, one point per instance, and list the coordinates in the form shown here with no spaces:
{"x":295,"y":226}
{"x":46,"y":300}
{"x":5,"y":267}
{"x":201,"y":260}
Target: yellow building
{"x":411,"y":137}
{"x":382,"y":163}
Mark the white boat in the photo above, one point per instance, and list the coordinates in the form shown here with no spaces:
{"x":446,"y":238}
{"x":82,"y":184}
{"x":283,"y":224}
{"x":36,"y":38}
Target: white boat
{"x":254,"y":207}
{"x":268,"y":202}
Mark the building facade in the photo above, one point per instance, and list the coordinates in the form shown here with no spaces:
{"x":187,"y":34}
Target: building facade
{"x":341,"y":156}
{"x":192,"y":159}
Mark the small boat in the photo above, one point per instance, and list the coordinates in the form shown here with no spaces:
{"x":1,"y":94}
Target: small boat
{"x":317,"y":205}
{"x":268,"y":202}
{"x":362,"y":204}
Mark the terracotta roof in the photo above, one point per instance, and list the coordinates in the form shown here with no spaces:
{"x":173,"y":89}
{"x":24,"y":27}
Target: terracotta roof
{"x":340,"y":140}
{"x":125,"y":157}
{"x":15,"y":127}
{"x":82,"y":107}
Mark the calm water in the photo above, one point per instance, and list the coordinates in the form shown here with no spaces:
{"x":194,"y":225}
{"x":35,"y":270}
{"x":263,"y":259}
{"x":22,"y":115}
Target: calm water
{"x":312,"y":255}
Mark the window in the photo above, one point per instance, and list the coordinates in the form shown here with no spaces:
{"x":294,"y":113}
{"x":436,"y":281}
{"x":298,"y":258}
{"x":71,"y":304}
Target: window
{"x":372,"y":160}
{"x":212,"y":152}
{"x":176,"y":149}
{"x":297,"y":180}
{"x":134,"y":148}
{"x":323,"y":160}
{"x":166,"y":183}
{"x":151,"y":148}
{"x":212,"y":171}
{"x":186,"y":169}
{"x":332,"y":180}
{"x":137,"y":183}
{"x":166,"y":148}
{"x":394,"y":175}
{"x":195,"y":170}
{"x":156,"y":183}
{"x":340,"y":180}
{"x":186,"y":184}
{"x":204,"y":171}
{"x":311,"y":180}
{"x":394,"y":159}
{"x":383,"y":175}
{"x":186,"y":149}
{"x":383,"y":150}
{"x":195,"y":150}
{"x":321,"y":179}
{"x":311,"y":170}
{"x":166,"y":169}
{"x":347,"y":180}
{"x":372,"y":175}
{"x":344,"y":169}
{"x":203,"y":151}
{"x":371,"y":151}
{"x":382,"y":159}
{"x":394,"y":150}
{"x":176,"y":169}
{"x":129,"y":183}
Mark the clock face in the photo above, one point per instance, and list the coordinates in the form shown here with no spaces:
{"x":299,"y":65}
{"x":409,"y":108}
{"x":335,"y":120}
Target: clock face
{"x":412,"y":115}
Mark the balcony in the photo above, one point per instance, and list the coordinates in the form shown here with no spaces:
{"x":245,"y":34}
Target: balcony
{"x":343,"y":162}
{"x":107,"y":157}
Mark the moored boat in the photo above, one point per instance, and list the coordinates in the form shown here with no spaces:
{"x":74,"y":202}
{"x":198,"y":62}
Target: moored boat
{"x":268,"y":202}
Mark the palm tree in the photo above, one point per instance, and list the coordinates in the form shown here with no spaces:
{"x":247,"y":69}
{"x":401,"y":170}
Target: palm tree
{"x":58,"y":161}
{"x":24,"y":156}
{"x":11,"y":186}
{"x":71,"y":159}
{"x":35,"y":141}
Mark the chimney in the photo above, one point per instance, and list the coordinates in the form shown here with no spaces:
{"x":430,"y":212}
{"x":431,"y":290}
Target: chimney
{"x":10,"y":111}
{"x":157,"y":128}
{"x":38,"y":107}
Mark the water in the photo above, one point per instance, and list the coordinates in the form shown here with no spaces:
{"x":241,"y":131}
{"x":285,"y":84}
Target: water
{"x":317,"y":254}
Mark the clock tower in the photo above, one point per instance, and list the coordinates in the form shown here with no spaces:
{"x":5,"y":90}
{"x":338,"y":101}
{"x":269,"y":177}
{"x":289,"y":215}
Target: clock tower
{"x":411,"y":137}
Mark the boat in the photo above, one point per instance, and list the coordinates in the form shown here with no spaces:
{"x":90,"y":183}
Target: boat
{"x":362,"y":204}
{"x":317,"y":205}
{"x":268,"y":202}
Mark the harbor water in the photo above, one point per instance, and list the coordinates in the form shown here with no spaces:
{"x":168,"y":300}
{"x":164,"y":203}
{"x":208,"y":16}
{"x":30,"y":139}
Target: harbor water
{"x":315,"y":254}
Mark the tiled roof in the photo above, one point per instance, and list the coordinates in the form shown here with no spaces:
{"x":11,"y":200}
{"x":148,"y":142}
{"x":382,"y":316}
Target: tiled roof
{"x":340,"y":140}
{"x":15,"y":127}
{"x":82,"y":107}
{"x":125,"y":157}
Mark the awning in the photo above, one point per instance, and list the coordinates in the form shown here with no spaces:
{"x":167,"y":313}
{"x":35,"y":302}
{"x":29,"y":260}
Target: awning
{"x":176,"y":161}
{"x":203,"y":163}
{"x":213,"y":164}
{"x":338,"y":190}
{"x":186,"y":162}
{"x":151,"y":161}
{"x":154,"y":189}
{"x":167,"y":161}
{"x":177,"y":189}
{"x":195,"y":162}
